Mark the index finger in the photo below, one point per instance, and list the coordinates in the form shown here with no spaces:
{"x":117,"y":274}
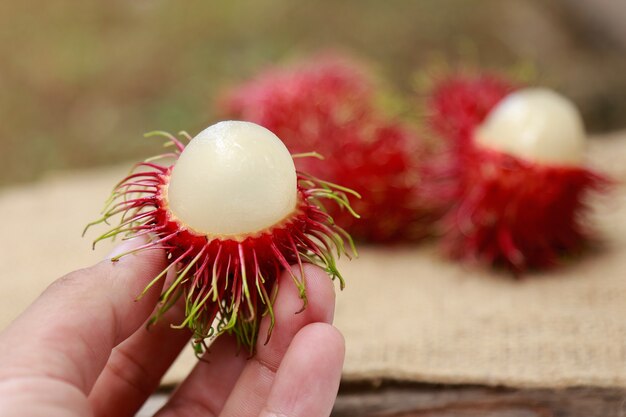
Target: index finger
{"x":69,"y":331}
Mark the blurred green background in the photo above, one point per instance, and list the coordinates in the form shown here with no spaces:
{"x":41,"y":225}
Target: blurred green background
{"x":81,"y":81}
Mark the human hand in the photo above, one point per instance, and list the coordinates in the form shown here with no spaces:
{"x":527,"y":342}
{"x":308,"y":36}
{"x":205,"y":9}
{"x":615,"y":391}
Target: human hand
{"x":82,"y":349}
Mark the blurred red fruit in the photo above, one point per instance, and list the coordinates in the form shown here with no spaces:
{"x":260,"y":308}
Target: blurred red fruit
{"x":458,"y":103}
{"x":328,"y":105}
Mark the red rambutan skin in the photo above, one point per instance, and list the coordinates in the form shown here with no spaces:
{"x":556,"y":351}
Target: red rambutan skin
{"x":305,"y":104}
{"x":226,"y":281}
{"x":380,"y":162}
{"x":455,"y":106}
{"x":327,"y":105}
{"x":516,"y":213}
{"x":458,"y":103}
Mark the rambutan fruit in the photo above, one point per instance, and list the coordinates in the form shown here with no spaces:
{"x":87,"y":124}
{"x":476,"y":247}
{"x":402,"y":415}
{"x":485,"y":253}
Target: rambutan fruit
{"x":305,"y":104}
{"x":231,"y":213}
{"x":522,"y":190}
{"x":328,"y":105}
{"x":380,"y":161}
{"x":455,"y":104}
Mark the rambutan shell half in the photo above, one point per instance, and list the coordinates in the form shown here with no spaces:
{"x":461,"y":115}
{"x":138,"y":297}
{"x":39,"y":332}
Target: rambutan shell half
{"x":519,"y":214}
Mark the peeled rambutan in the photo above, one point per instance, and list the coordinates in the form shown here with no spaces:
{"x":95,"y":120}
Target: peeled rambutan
{"x":232,"y":213}
{"x":522,"y":190}
{"x":328,"y":105}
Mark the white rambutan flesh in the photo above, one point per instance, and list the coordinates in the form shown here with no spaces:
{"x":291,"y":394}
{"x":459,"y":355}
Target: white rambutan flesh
{"x":233,"y":179}
{"x":537,"y":125}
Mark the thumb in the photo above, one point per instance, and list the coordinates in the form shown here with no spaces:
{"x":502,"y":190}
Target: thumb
{"x":81,"y":317}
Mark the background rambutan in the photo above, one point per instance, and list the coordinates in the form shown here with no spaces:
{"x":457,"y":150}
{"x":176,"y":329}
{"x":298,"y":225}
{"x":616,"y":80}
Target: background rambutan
{"x":329,"y":105}
{"x":307,"y":102}
{"x":232,"y":213}
{"x":455,"y":104}
{"x":522,"y":192}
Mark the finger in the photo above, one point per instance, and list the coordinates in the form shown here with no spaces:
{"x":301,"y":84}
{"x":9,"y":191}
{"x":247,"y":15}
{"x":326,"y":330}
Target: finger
{"x":137,"y":365}
{"x":69,"y":331}
{"x":308,"y":378}
{"x":249,"y":394}
{"x":205,"y":390}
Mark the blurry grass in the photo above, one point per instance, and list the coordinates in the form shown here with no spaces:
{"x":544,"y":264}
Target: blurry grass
{"x":81,"y":81}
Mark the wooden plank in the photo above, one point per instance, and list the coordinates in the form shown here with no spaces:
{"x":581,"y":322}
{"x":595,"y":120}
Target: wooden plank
{"x":423,"y":400}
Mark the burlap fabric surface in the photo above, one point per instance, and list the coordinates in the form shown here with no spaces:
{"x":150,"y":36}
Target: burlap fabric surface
{"x":406,"y":312}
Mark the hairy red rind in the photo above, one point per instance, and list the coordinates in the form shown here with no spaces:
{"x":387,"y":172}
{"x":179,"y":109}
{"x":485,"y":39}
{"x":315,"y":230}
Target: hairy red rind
{"x":516,"y":213}
{"x":458,"y":103}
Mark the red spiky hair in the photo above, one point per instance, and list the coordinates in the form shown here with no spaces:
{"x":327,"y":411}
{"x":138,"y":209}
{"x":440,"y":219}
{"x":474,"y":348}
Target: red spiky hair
{"x":518,"y":214}
{"x":226,"y":282}
{"x":380,"y":162}
{"x":327,"y":105}
{"x":305,"y":103}
{"x":456,"y":104}
{"x":459,"y":102}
